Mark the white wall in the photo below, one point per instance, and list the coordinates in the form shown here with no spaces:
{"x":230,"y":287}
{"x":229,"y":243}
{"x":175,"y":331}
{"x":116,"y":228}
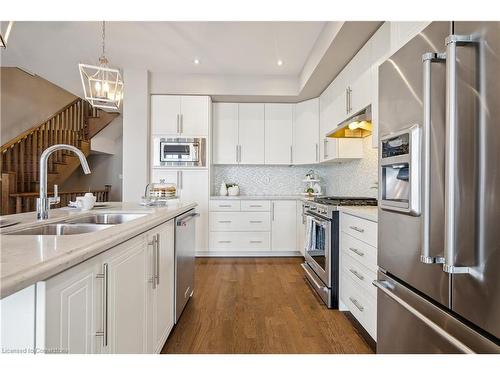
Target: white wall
{"x":136,"y":135}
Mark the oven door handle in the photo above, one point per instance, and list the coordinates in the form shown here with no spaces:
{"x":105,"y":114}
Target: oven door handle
{"x":312,"y":278}
{"x":321,"y":223}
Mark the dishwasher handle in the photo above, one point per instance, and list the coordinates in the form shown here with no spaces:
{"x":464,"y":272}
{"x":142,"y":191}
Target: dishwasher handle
{"x":185,"y":219}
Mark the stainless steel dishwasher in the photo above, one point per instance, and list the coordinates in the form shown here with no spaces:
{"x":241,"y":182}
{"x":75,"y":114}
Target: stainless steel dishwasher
{"x":185,"y":236}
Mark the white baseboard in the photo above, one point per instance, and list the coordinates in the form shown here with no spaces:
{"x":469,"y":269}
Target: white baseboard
{"x":247,"y":254}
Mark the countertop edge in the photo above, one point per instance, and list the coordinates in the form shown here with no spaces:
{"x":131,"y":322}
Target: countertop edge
{"x":14,"y":283}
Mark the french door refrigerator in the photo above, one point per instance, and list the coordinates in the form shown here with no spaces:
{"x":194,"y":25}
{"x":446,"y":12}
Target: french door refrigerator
{"x":439,"y":212}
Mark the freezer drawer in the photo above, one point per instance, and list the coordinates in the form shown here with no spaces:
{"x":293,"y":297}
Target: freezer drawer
{"x":408,"y":323}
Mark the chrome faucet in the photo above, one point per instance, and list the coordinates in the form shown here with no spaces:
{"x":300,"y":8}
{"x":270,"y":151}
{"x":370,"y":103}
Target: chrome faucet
{"x":43,"y":203}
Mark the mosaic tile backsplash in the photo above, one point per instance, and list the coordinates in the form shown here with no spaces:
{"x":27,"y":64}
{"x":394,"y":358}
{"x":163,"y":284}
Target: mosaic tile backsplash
{"x":352,"y":178}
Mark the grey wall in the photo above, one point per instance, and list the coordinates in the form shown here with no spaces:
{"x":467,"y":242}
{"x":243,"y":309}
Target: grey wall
{"x":26,"y":101}
{"x":353,"y":178}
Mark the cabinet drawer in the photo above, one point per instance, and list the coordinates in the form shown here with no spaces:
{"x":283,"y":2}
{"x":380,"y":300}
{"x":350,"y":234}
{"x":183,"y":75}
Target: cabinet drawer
{"x":244,"y":241}
{"x":361,"y":305}
{"x":224,"y":205}
{"x":240,"y":221}
{"x":254,"y":205}
{"x":359,"y":250}
{"x":364,"y":230}
{"x":359,"y":274}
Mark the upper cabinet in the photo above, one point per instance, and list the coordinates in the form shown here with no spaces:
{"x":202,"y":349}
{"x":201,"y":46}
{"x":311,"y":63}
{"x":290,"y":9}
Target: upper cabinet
{"x":238,"y":133}
{"x":180,"y":115}
{"x":279,"y":133}
{"x":306,"y":132}
{"x":251,"y":133}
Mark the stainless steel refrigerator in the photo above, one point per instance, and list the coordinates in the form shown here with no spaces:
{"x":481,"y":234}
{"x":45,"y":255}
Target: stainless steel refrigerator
{"x":439,"y":194}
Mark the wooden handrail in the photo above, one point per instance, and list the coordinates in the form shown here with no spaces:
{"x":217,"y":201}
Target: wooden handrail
{"x":34,"y":128}
{"x":36,"y":194}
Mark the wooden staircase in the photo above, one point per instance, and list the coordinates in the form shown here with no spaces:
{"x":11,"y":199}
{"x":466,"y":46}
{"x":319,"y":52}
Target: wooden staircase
{"x":75,"y":124}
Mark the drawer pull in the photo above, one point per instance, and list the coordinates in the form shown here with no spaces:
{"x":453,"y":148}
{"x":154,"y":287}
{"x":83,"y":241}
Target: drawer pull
{"x":357,"y":229}
{"x":356,"y":251}
{"x":225,"y":222}
{"x":357,"y":274}
{"x":256,"y":205}
{"x":357,"y":304}
{"x":225,"y":241}
{"x":225,"y":206}
{"x":255,"y":241}
{"x":255,"y":221}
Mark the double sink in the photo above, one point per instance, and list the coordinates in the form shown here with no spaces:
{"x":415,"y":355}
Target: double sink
{"x":80,"y":225}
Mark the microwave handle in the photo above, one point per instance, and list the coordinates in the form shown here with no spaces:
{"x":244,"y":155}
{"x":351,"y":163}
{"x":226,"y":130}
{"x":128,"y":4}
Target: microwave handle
{"x":427,"y":60}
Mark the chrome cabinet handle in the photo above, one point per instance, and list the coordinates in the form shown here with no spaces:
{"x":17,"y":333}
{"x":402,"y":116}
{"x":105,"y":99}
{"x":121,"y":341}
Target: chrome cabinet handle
{"x":272,"y":210}
{"x":225,"y":206}
{"x":157,"y":245}
{"x":325,"y":148}
{"x":357,"y":229}
{"x":255,"y":205}
{"x":317,"y":152}
{"x":356,"y":251}
{"x":224,"y":241}
{"x":350,"y":99}
{"x":181,"y":123}
{"x":104,"y":332}
{"x":291,"y":154}
{"x":237,"y":160}
{"x":347,"y":100}
{"x":357,"y":274}
{"x":225,"y":221}
{"x":178,"y":124}
{"x":357,"y":304}
{"x":255,"y":241}
{"x":452,"y":42}
{"x":255,"y":221}
{"x":152,"y":279}
{"x":427,"y":60}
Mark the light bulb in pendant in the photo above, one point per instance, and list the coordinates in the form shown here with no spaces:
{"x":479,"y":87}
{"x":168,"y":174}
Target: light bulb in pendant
{"x":97,"y":86}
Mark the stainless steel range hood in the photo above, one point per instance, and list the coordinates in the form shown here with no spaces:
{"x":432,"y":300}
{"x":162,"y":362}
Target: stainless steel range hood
{"x":357,"y":126}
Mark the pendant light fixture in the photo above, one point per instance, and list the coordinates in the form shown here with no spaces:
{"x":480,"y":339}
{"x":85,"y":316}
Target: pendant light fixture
{"x":4,"y":34}
{"x":102,"y":85}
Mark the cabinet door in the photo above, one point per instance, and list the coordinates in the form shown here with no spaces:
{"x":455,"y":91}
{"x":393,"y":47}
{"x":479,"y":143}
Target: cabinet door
{"x":251,"y":133}
{"x":225,"y":133}
{"x":194,"y":187}
{"x":195,"y":112}
{"x":161,"y":293}
{"x":301,"y":228}
{"x":72,"y":309}
{"x":341,"y":149}
{"x":306,"y":132}
{"x":284,"y":226}
{"x":127,"y":282}
{"x":165,"y":110}
{"x":278,"y":139}
{"x":168,"y":175}
{"x":361,"y":90}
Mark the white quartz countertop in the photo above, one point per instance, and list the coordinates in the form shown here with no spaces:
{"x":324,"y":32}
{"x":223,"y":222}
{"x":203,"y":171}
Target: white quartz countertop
{"x":364,"y":212}
{"x":257,"y":197}
{"x":27,"y":259}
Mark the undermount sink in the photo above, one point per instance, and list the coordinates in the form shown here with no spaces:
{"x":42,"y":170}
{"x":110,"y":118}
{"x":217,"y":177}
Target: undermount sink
{"x":61,"y":229}
{"x":106,"y":219}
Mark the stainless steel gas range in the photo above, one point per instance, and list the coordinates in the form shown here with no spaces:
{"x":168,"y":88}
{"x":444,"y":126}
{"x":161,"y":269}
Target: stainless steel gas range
{"x":321,"y":251}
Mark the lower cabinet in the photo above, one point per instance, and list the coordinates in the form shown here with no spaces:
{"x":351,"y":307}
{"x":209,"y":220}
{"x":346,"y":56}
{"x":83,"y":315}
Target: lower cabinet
{"x":121,"y":301}
{"x":248,"y":227}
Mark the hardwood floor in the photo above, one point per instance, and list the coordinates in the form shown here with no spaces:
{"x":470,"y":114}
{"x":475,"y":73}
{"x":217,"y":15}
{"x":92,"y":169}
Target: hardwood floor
{"x":259,"y":305}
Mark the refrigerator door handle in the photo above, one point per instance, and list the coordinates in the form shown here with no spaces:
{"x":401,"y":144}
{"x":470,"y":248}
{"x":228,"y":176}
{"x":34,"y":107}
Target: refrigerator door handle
{"x":387,"y":288}
{"x":452,"y":42}
{"x":427,"y":60}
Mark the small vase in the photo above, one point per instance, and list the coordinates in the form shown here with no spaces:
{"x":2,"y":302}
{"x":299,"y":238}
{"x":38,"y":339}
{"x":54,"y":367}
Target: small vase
{"x":223,"y":189}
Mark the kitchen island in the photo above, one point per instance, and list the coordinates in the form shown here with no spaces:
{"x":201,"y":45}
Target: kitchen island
{"x":107,"y":291}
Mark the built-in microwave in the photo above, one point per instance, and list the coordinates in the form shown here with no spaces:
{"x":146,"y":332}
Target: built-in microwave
{"x":399,"y":171}
{"x":175,"y":152}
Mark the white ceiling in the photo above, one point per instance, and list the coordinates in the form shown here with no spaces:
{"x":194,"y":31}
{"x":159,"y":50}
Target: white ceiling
{"x":230,"y":53}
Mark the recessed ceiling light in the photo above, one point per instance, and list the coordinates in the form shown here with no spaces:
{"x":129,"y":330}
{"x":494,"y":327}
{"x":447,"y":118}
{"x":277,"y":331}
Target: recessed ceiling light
{"x":279,"y":62}
{"x":196,"y":61}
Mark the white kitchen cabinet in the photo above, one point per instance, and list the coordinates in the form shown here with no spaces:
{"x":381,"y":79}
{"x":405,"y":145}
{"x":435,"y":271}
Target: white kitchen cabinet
{"x":161,"y":285}
{"x":251,"y":133}
{"x":73,"y":306}
{"x":192,"y":186}
{"x":126,"y":270}
{"x":283,"y":225}
{"x":180,"y":115}
{"x":341,"y":149}
{"x":165,"y":110}
{"x":17,"y":314}
{"x":306,"y":132}
{"x":225,"y":133}
{"x":279,"y":133}
{"x":301,"y":228}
